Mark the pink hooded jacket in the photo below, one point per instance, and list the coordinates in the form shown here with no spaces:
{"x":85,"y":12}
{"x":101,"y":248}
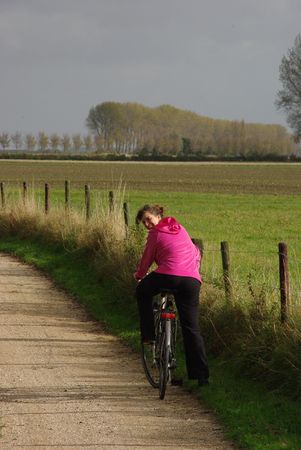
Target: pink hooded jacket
{"x":170,"y":247}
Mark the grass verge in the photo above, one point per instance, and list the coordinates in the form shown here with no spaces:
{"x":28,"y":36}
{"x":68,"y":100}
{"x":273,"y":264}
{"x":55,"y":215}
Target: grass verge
{"x":254,"y":418}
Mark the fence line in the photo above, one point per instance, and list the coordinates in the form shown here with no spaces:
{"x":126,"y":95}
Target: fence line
{"x":284,"y":285}
{"x":256,"y":252}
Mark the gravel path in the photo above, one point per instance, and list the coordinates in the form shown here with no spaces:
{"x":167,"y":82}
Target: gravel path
{"x":66,"y":384}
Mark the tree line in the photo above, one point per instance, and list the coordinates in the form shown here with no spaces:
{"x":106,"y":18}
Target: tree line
{"x":131,"y":128}
{"x":134,"y":130}
{"x":43,"y":142}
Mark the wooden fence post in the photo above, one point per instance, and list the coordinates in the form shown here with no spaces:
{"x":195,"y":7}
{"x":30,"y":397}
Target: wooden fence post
{"x":2,"y":194}
{"x":87,"y":201}
{"x":284,"y":281}
{"x":111,"y":201}
{"x":126,"y":214}
{"x":67,"y":195}
{"x":24,"y":193}
{"x":226,"y":270}
{"x":46,"y":198}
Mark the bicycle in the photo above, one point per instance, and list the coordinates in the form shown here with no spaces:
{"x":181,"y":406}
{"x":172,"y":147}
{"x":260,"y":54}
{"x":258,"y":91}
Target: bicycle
{"x":159,"y":357}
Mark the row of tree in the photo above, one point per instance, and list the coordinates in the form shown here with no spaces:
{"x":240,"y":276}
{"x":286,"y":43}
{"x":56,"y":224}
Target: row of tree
{"x":45,"y":142}
{"x":131,"y":128}
{"x":128,"y":128}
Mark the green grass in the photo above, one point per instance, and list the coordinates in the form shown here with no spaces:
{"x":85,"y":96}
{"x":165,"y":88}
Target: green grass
{"x":252,"y":224}
{"x":253,"y":417}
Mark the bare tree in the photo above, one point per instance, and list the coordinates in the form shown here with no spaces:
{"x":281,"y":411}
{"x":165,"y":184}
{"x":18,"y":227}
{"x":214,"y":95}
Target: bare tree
{"x":55,"y":141}
{"x":99,"y":143}
{"x":77,"y":141}
{"x":66,"y":142}
{"x":88,"y":142}
{"x":31,"y":142}
{"x":4,"y":140}
{"x":16,"y":139}
{"x":43,"y":140}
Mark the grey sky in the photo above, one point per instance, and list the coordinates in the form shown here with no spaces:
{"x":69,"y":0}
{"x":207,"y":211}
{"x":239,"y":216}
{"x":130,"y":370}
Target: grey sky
{"x":219,"y":58}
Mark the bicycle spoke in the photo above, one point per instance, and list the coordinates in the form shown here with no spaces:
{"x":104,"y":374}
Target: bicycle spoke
{"x":164,"y":369}
{"x":150,"y":364}
{"x":158,"y":359}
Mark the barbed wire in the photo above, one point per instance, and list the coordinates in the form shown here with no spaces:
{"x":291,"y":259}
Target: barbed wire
{"x":205,"y":250}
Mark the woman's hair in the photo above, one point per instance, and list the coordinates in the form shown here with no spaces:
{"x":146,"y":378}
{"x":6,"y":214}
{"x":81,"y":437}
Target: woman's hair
{"x":152,"y":209}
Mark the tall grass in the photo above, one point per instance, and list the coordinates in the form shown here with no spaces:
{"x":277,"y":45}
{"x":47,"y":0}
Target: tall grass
{"x":110,"y":247}
{"x":246,"y":331}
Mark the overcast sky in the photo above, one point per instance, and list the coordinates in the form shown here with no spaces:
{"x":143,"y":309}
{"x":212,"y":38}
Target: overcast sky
{"x":219,"y":58}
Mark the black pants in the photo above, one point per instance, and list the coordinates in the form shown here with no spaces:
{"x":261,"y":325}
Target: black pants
{"x":187,"y":301}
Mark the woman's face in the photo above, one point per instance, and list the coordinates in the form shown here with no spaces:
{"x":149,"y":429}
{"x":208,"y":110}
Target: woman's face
{"x":150,"y":220}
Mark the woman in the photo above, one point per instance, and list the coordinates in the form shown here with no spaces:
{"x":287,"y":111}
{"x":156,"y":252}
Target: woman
{"x":178,"y":261}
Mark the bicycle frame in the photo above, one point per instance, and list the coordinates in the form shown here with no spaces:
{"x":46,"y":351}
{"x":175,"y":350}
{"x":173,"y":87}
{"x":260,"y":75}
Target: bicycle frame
{"x":158,"y":359}
{"x":166,"y":341}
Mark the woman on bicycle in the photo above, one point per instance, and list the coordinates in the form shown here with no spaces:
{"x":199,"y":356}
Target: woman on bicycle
{"x":178,"y":262}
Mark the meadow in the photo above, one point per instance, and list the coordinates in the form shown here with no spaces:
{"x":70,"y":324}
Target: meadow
{"x":252,"y":206}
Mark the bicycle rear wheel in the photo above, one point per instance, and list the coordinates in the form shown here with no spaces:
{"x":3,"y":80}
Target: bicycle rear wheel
{"x":164,"y":364}
{"x":173,"y":344}
{"x":150,"y":363}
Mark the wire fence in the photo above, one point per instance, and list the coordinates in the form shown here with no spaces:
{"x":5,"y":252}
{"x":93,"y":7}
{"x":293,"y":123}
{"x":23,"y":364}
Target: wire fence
{"x":249,"y":272}
{"x":269,"y":275}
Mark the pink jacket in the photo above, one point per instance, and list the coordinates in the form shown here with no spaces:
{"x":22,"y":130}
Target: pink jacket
{"x":170,"y":247}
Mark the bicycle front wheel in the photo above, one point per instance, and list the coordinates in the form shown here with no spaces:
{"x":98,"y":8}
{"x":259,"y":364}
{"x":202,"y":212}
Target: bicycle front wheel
{"x":150,"y":364}
{"x":164,"y":364}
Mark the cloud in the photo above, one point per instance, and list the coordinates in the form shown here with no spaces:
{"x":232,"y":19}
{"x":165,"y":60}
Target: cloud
{"x":216,"y":58}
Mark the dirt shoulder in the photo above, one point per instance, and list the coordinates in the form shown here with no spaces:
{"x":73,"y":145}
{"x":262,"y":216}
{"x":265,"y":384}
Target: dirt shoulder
{"x":66,"y":384}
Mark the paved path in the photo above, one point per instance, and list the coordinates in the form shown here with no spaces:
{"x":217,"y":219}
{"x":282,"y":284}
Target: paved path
{"x":66,"y":384}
